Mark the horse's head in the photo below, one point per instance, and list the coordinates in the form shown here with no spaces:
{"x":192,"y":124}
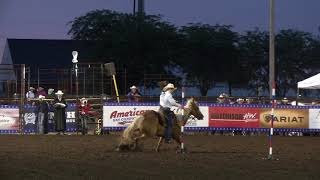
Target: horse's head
{"x":194,"y":108}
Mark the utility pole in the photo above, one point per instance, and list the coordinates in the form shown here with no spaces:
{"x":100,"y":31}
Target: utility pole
{"x":134,"y":7}
{"x":271,"y":47}
{"x":141,"y":6}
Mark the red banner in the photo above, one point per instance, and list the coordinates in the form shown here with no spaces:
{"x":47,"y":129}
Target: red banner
{"x":234,"y":117}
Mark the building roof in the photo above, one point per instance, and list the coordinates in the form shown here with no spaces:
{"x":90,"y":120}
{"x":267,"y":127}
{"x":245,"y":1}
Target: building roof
{"x":52,"y":53}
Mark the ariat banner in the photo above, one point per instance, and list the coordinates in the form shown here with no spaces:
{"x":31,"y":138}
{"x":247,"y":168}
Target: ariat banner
{"x":285,"y":118}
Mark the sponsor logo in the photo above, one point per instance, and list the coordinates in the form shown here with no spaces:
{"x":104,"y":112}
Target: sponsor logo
{"x":241,"y":117}
{"x":283,"y":119}
{"x":124,"y":114}
{"x":30,"y":118}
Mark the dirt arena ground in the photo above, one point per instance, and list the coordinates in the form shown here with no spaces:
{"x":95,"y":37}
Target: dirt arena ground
{"x":209,"y":157}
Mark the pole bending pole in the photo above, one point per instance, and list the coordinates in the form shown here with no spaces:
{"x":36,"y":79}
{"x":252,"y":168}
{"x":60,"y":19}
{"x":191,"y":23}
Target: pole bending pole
{"x":182,"y":126}
{"x":272,"y":119}
{"x":272,"y":84}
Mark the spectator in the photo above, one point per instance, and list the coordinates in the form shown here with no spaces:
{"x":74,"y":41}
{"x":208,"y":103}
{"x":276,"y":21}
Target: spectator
{"x":50,"y":93}
{"x":41,"y":91}
{"x":240,"y":101}
{"x":249,"y":101}
{"x":285,"y":101}
{"x":84,"y":111}
{"x":42,"y":111}
{"x":30,"y":94}
{"x":60,"y":105}
{"x":134,"y":94}
{"x":223,"y":99}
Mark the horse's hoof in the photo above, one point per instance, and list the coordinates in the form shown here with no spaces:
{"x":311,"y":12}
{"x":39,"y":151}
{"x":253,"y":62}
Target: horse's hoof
{"x":181,"y":151}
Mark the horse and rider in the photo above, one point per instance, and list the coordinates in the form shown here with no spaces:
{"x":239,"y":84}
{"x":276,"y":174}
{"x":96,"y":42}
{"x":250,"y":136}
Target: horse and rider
{"x":163,"y":123}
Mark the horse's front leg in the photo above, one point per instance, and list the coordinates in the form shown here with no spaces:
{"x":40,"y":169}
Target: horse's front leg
{"x":159,"y":144}
{"x":136,"y":141}
{"x":177,"y":138}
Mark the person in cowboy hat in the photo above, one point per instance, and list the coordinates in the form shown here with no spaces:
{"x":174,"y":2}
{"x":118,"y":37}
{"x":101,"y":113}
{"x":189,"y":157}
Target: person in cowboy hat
{"x":60,"y":105}
{"x":30,"y":94}
{"x":41,"y":91}
{"x":84,"y":110}
{"x":42,"y":111}
{"x":134,"y":94}
{"x":166,"y":103}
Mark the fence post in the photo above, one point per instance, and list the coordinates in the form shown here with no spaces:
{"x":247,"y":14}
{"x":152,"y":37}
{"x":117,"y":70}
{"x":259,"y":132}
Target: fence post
{"x":22,"y":96}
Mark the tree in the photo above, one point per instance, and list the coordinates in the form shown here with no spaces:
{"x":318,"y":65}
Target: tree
{"x":209,"y":52}
{"x":254,"y":48}
{"x":293,"y":58}
{"x":141,"y":43}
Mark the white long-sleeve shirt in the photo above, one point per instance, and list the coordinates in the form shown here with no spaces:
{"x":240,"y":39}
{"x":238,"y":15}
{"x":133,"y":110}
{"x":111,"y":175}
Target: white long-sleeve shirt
{"x":167,"y":101}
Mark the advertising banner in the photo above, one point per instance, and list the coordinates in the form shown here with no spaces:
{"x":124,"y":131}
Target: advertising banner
{"x":122,"y":116}
{"x":192,"y":122}
{"x":9,"y":119}
{"x":30,"y":119}
{"x":314,"y":118}
{"x":234,"y":117}
{"x":285,"y":118}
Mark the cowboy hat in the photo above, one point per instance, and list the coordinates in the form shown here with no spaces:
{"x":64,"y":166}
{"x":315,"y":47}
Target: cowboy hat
{"x":240,"y":100}
{"x":50,"y":91}
{"x":169,"y":86}
{"x":41,"y":97}
{"x":31,"y":88}
{"x":59,"y":92}
{"x":133,"y":87}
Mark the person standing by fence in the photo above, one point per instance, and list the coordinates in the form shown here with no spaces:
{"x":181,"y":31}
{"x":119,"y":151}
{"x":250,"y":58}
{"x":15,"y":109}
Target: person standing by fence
{"x":134,"y":94}
{"x":30,"y":94}
{"x":42,"y":115}
{"x":60,"y":105}
{"x":84,"y":109}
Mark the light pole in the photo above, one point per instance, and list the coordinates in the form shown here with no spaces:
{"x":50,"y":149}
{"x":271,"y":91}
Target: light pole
{"x":75,"y":69}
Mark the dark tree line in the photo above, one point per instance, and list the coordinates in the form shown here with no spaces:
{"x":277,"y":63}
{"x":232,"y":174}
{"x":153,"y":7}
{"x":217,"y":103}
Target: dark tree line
{"x":205,"y":53}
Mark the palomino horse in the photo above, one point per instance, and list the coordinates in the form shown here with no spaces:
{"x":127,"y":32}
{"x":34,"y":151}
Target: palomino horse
{"x":151,"y":124}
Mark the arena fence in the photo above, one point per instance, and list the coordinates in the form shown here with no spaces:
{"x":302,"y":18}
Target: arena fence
{"x":224,"y":117}
{"x":18,"y":116}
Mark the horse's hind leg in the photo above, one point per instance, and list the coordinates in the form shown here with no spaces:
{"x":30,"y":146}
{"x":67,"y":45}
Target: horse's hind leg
{"x":177,"y":138}
{"x":159,"y":144}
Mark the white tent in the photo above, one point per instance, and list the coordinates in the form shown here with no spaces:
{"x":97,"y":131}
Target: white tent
{"x":310,"y":83}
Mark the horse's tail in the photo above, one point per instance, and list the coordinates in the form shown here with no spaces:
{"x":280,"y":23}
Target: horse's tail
{"x":129,"y":133}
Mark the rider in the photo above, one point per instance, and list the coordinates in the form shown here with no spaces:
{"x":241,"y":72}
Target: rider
{"x":166,"y":103}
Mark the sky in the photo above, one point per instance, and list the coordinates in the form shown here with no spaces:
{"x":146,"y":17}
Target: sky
{"x":47,"y":19}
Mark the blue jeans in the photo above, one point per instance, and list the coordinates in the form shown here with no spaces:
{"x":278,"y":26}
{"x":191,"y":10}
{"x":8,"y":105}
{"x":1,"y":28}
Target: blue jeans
{"x":169,"y":121}
{"x":40,"y":123}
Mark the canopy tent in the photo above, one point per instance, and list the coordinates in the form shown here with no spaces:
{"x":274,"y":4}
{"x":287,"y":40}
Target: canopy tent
{"x":310,"y":83}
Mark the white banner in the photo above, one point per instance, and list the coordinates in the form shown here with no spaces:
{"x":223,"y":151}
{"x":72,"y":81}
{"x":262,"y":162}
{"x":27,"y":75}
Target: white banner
{"x":122,"y":116}
{"x":314,"y":118}
{"x":9,"y":119}
{"x":193,"y":122}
